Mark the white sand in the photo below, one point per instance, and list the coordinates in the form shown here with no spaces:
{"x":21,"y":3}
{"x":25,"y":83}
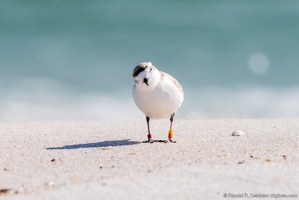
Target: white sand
{"x":105,"y":160}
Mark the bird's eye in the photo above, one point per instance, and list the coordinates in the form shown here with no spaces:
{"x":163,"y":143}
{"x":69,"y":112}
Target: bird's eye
{"x":151,"y":69}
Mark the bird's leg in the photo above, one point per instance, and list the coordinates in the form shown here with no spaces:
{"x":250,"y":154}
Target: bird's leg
{"x":170,"y":132}
{"x":149,"y":135}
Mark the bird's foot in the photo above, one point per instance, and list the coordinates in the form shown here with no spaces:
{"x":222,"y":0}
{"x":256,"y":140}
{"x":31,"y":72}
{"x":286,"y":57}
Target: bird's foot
{"x":148,"y":141}
{"x":152,"y":141}
{"x":165,"y":141}
{"x":171,"y":141}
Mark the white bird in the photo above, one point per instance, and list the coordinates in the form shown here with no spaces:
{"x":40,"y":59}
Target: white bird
{"x":157,"y":94}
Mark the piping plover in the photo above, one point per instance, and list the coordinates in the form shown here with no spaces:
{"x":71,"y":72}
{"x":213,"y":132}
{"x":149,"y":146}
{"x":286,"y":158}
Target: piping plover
{"x":157,"y":94}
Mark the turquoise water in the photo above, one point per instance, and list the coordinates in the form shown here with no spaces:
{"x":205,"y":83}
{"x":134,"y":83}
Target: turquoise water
{"x":65,"y":60}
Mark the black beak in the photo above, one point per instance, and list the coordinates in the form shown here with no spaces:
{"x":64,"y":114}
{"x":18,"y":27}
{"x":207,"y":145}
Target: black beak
{"x":145,"y":80}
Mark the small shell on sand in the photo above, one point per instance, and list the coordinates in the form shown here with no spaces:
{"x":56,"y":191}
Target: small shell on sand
{"x":49,"y":184}
{"x":238,"y":133}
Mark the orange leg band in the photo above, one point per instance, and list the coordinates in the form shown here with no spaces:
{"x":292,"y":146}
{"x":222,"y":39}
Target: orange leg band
{"x":170,"y":134}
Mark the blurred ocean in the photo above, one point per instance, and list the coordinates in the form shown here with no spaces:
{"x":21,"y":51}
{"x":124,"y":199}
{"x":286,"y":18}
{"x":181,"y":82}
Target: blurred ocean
{"x":72,"y":60}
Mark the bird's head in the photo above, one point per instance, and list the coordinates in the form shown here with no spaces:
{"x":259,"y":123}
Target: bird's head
{"x":146,"y":76}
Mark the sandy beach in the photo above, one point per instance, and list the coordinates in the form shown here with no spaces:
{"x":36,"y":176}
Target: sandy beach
{"x":106,"y":160}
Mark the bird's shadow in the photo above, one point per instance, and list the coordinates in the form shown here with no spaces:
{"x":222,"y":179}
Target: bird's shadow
{"x":107,"y":143}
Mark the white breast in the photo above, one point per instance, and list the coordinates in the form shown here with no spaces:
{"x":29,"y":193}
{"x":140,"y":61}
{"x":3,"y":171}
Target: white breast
{"x":161,"y":102}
